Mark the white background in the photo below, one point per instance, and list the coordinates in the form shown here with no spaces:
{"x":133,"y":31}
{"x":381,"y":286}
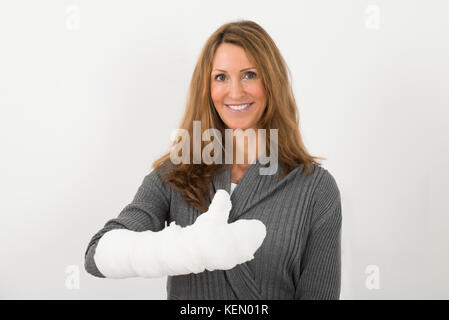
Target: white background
{"x":91,"y":90}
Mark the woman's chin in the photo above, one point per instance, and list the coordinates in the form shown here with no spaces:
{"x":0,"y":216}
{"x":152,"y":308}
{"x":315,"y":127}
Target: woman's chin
{"x":242,"y":126}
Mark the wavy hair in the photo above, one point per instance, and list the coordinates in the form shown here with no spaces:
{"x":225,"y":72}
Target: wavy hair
{"x":281,"y":112}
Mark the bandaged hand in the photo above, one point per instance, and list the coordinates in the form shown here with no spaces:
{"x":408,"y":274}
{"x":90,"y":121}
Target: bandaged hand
{"x":210,"y":243}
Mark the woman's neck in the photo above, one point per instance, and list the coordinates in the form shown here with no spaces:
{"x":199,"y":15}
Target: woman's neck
{"x":249,"y":148}
{"x":237,"y":172}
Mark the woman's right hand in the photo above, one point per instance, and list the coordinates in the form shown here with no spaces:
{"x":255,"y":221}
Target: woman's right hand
{"x":223,"y":245}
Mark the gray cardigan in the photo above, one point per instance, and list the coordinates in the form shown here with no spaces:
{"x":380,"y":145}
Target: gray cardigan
{"x":300,"y":257}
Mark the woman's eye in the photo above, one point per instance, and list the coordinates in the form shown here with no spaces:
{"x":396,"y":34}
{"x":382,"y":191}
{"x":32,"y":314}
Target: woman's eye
{"x":253,"y":75}
{"x":217,"y":76}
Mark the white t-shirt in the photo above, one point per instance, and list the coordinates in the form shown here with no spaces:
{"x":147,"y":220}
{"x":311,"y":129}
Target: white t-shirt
{"x":233,"y":185}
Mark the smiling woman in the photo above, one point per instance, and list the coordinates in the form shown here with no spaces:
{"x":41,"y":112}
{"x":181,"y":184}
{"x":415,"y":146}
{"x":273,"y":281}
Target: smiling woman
{"x":240,"y":82}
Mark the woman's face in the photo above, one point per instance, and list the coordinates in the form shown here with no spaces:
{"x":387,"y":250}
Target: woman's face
{"x":235,"y":83}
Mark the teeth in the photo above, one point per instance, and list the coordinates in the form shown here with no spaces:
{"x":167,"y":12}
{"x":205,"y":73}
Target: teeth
{"x":239,"y":107}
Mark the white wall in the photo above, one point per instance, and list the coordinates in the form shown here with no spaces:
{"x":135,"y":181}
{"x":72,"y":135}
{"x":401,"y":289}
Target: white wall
{"x":91,"y":90}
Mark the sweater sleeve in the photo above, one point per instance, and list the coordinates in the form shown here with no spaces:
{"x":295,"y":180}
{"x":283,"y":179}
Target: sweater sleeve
{"x":320,"y":271}
{"x":147,"y":211}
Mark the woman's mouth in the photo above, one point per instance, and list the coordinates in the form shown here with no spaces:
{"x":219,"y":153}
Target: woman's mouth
{"x":238,"y":107}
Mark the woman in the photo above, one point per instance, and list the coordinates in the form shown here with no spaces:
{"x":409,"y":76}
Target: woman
{"x":241,"y":82}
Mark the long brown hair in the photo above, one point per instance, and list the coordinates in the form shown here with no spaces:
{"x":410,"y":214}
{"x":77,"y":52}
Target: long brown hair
{"x":281,"y":112}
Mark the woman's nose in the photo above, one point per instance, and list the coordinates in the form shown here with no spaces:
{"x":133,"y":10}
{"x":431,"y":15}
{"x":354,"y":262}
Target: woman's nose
{"x":236,"y":90}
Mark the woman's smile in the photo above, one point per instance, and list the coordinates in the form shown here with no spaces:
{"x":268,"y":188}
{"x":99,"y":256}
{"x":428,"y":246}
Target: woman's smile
{"x":238,"y":108}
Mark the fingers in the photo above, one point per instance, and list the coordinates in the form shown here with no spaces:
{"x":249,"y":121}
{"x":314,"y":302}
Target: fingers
{"x":233,"y":244}
{"x":249,"y":234}
{"x":219,"y":250}
{"x":220,"y":206}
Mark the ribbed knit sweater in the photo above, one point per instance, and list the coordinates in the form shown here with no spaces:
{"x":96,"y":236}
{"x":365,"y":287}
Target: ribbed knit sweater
{"x":300,"y":257}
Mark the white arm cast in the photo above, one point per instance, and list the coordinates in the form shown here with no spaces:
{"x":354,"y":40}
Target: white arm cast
{"x":208,"y":244}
